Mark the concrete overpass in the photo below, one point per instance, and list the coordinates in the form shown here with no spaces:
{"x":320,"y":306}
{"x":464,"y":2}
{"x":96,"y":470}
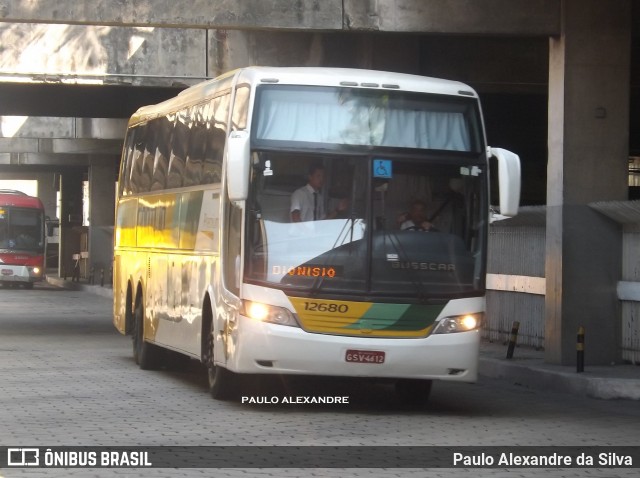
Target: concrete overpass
{"x":554,"y":77}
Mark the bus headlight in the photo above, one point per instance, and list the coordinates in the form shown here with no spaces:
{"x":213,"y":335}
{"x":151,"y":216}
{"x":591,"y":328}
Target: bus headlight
{"x":268,"y":313}
{"x":458,"y":323}
{"x":34,"y":270}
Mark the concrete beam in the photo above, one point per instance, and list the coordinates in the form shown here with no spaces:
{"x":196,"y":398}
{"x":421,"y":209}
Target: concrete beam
{"x":57,"y":146}
{"x":58,"y":141}
{"x":56,"y":127}
{"x":56,"y":159}
{"x":223,"y":14}
{"x":514,"y":17}
{"x":492,"y":17}
{"x":95,"y":55}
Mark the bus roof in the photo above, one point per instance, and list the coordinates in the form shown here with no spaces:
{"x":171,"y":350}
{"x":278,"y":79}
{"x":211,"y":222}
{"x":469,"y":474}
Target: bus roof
{"x":315,"y":76}
{"x":355,"y":78}
{"x":19,"y":199}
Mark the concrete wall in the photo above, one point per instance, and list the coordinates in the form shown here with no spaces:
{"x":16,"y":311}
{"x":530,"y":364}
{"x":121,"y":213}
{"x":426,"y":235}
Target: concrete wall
{"x":136,"y":55}
{"x":524,"y":17}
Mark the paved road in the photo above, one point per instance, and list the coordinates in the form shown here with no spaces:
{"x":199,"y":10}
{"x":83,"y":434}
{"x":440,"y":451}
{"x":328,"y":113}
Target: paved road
{"x":67,"y":378}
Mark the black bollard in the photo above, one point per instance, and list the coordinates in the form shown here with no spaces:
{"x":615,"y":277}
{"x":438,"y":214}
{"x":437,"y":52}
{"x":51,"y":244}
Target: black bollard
{"x":513,"y":339}
{"x":92,"y":272}
{"x":580,"y":350}
{"x":102,"y":277}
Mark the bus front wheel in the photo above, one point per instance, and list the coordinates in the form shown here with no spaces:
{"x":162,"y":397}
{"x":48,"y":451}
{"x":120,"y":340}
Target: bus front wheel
{"x":222,"y":382}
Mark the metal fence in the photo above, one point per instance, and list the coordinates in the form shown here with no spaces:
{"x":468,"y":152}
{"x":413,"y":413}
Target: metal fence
{"x":515,"y":280}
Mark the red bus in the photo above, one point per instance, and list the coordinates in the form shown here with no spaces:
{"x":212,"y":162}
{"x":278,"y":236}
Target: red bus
{"x":22,"y":239}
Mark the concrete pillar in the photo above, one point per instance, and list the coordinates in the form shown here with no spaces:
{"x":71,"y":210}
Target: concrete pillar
{"x":70,"y":219}
{"x":102,"y":180}
{"x":588,"y":140}
{"x":48,"y":184}
{"x":47,"y":192}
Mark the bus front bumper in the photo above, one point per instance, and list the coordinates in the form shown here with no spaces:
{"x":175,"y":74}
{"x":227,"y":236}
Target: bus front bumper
{"x":19,"y":274}
{"x":276,"y":349}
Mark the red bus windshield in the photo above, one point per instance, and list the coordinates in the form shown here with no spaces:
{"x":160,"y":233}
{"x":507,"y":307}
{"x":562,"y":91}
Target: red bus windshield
{"x":21,"y":226}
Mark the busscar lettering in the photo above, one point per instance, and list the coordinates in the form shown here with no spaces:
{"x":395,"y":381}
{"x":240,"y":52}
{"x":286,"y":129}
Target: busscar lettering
{"x":424,"y":266}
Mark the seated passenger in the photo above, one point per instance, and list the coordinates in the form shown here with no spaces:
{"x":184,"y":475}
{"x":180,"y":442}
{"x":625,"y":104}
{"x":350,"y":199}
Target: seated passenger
{"x":416,"y":218}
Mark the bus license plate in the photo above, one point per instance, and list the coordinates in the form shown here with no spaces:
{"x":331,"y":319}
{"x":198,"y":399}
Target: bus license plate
{"x":364,"y":356}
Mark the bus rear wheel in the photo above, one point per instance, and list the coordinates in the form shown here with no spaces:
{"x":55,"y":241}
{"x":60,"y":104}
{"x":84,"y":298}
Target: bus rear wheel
{"x":145,"y":354}
{"x":414,"y":392}
{"x":223,"y":384}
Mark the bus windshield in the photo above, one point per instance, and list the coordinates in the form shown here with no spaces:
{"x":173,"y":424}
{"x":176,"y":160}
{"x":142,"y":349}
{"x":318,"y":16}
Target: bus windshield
{"x":409,"y":227}
{"x":366,"y":117}
{"x":21,"y":229}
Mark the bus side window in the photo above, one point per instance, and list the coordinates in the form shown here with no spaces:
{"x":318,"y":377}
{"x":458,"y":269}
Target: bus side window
{"x":163,"y":128}
{"x":146,"y":176}
{"x":216,"y":135}
{"x":197,"y":143}
{"x":180,"y":143}
{"x":125,"y":167}
{"x":136,"y":181}
{"x":240,"y":109}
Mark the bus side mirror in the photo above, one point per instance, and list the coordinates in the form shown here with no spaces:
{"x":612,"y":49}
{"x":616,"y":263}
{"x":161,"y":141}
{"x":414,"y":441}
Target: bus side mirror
{"x":238,"y":166}
{"x":508,"y":179}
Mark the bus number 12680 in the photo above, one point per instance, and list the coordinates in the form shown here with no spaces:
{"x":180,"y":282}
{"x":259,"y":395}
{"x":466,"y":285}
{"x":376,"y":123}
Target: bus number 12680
{"x":326,"y":307}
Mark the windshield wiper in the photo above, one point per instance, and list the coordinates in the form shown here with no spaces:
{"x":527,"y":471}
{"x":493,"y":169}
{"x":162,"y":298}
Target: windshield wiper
{"x":316,"y":286}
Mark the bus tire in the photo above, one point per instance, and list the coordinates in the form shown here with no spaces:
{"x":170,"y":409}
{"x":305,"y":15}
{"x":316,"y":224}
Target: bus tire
{"x":414,"y":392}
{"x":222,"y":383}
{"x":145,"y":354}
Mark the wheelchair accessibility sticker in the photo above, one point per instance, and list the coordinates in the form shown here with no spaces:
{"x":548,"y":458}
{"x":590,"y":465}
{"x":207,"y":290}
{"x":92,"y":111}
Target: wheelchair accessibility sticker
{"x":382,"y":168}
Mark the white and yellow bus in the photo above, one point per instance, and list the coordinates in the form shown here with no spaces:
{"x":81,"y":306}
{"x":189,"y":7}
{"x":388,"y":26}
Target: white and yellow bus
{"x":209,"y":264}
